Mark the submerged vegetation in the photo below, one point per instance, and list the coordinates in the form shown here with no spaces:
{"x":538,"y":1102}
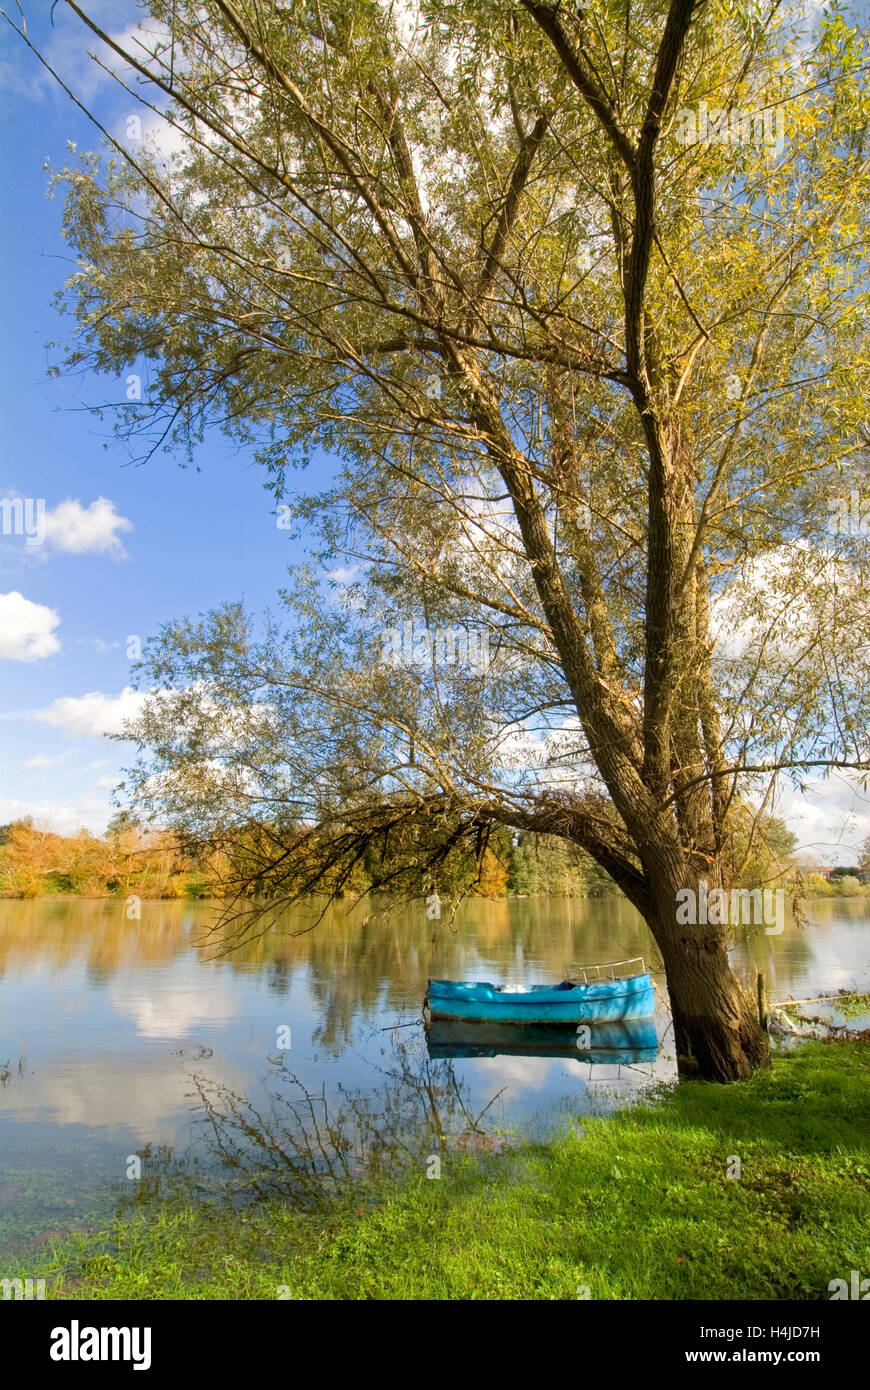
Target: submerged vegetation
{"x":759,"y":1190}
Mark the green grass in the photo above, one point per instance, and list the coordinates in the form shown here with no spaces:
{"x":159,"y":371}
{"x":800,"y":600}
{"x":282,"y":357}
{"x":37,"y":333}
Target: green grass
{"x":634,"y":1206}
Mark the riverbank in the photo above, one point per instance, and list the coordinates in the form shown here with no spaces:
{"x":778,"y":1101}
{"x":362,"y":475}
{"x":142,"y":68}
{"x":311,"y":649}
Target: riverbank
{"x":150,"y":864}
{"x":759,"y":1190}
{"x":195,"y":893}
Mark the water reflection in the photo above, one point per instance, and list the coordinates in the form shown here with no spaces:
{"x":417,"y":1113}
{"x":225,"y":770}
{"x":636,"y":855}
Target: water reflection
{"x":112,"y":1018}
{"x":308,"y":1148}
{"x":630,"y":1042}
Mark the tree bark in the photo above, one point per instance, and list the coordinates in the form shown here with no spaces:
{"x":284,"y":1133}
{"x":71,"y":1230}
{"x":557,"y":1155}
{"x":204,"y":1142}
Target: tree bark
{"x":716,"y":1029}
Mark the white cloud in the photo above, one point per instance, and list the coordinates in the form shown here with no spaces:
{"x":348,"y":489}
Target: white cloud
{"x":66,"y":817}
{"x":118,"y":1088}
{"x":68,"y":48}
{"x":161,"y":137}
{"x":79,"y":530}
{"x":42,"y":761}
{"x":831,"y":817}
{"x":784,"y":601}
{"x":174,"y":1011}
{"x":26,"y":629}
{"x":99,"y":644}
{"x":344,"y":574}
{"x":93,"y":714}
{"x":518,"y":1074}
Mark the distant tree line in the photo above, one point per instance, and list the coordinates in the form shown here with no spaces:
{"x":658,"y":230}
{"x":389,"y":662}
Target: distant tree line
{"x":155,"y":863}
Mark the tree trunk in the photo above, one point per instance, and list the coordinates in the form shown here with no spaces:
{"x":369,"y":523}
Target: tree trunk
{"x":716,"y":1030}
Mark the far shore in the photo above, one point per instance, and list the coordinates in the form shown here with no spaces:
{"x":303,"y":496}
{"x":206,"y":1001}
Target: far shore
{"x":123,"y":895}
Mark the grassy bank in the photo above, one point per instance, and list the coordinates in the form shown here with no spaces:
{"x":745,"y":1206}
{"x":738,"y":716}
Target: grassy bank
{"x":637,"y":1206}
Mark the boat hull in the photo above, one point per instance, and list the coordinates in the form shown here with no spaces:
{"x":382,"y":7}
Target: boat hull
{"x":605,"y":1001}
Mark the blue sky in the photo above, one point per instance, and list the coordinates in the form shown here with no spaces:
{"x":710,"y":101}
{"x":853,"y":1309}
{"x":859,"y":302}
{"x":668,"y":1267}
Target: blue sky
{"x":127,"y":548}
{"x":172,"y":541}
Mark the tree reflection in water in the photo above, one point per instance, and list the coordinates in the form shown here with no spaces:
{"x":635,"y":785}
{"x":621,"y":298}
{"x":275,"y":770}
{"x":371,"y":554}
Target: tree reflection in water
{"x":310,"y":1148}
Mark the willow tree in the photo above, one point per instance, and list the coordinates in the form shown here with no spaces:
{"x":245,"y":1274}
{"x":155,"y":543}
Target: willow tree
{"x":573,"y":298}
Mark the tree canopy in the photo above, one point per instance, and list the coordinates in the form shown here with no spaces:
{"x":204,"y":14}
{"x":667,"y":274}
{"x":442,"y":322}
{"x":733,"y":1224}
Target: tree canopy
{"x":576,"y":301}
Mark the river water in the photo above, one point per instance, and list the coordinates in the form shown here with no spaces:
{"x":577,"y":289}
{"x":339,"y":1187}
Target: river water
{"x":156,"y":1043}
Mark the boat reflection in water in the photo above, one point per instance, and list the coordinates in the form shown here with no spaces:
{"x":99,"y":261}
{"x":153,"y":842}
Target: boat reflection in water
{"x":631,"y":1040}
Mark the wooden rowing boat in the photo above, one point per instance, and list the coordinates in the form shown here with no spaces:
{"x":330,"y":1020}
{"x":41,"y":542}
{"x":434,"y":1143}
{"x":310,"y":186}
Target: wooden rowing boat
{"x":605,"y":998}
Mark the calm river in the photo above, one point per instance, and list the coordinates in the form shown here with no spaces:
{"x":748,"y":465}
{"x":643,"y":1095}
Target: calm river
{"x":297,"y":1058}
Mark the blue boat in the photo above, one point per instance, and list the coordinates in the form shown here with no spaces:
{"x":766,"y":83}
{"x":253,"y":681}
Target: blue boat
{"x":630,"y":1041}
{"x":606,"y":998}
